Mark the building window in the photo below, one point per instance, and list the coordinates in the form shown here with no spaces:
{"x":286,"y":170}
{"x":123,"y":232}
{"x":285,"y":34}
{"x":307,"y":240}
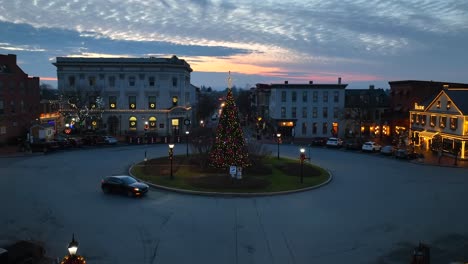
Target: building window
{"x":314,"y":96}
{"x":438,"y":104}
{"x":112,"y":81}
{"x":132,"y":102}
{"x":92,"y":102}
{"x":453,"y":123}
{"x":174,"y":81}
{"x":304,"y":112}
{"x":132,"y":123}
{"x":335,"y":112}
{"x":152,"y":102}
{"x":314,"y":128}
{"x":22,"y":106}
{"x":433,"y":120}
{"x":293,"y":112}
{"x":283,"y":96}
{"x":325,"y":128}
{"x":151,"y":81}
{"x":131,"y":81}
{"x":304,"y":96}
{"x":325,"y":96}
{"x":152,"y":122}
{"x":418,"y":118}
{"x":112,"y":102}
{"x":423,"y":120}
{"x":336,"y":96}
{"x":413,"y":118}
{"x":325,"y":112}
{"x":175,"y":100}
{"x":283,"y":112}
{"x":294,"y":96}
{"x":71,"y":81}
{"x":12,"y":107}
{"x":92,"y":80}
{"x":2,"y":107}
{"x":304,"y":129}
{"x":314,"y":112}
{"x":449,"y":104}
{"x":442,"y":121}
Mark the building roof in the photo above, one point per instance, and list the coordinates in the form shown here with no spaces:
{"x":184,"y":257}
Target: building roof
{"x":173,"y":61}
{"x":420,"y":82}
{"x":459,"y":98}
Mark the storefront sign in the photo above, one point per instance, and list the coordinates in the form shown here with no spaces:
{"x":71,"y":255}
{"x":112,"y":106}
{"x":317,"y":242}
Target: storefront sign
{"x":418,"y":107}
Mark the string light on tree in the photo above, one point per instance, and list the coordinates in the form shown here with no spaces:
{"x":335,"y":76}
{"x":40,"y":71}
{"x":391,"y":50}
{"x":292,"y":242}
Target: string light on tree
{"x":229,"y":147}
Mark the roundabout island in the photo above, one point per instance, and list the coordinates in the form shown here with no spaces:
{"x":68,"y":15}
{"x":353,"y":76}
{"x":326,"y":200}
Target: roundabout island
{"x":266,"y":176}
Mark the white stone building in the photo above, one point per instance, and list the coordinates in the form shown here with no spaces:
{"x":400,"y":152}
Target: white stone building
{"x":138,"y":95}
{"x":307,"y":110}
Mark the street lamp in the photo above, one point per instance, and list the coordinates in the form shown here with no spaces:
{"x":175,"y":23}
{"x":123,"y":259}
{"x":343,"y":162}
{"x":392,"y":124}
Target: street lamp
{"x":278,"y":139}
{"x":171,"y":155}
{"x":72,"y":257}
{"x":73,"y":247}
{"x":187,"y":139}
{"x":302,"y":157}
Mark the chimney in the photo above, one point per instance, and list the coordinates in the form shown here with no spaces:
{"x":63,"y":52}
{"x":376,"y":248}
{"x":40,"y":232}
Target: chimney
{"x":311,"y":82}
{"x":285,"y":82}
{"x":339,"y":80}
{"x":371,"y":87}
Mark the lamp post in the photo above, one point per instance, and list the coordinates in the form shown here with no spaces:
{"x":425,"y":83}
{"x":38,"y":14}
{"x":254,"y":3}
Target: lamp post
{"x":72,"y":257}
{"x":302,"y":157}
{"x":187,"y":139}
{"x":278,"y":139}
{"x":171,"y":155}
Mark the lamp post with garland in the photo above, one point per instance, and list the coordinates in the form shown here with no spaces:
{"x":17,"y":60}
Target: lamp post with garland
{"x":72,"y":257}
{"x":171,"y":157}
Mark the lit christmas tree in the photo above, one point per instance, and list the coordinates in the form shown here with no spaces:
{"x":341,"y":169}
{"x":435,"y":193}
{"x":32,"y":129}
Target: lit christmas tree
{"x":229,"y":148}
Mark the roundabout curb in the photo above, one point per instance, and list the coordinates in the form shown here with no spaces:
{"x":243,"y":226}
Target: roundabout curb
{"x":230,"y":194}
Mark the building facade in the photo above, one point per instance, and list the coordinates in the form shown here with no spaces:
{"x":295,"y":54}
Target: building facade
{"x":307,"y":110}
{"x":19,"y":100}
{"x":364,"y":113}
{"x":445,"y":115}
{"x":404,"y":94}
{"x":127,"y":96}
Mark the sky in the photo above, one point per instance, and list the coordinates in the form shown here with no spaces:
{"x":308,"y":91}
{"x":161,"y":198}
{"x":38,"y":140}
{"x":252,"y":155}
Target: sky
{"x":270,"y":41}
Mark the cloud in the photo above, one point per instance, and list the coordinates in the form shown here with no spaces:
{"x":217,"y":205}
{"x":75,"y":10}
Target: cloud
{"x":250,"y":37}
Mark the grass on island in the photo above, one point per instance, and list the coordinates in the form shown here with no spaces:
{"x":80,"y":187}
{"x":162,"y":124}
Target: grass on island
{"x":266,"y":174}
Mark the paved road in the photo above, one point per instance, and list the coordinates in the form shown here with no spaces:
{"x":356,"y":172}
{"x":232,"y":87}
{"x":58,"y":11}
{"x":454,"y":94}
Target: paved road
{"x":374,"y":211}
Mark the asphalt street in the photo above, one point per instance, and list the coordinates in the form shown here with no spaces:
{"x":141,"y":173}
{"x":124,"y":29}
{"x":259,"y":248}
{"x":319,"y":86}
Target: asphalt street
{"x":374,"y":211}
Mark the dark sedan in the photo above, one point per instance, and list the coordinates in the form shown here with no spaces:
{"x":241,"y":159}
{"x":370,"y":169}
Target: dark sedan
{"x":123,"y":184}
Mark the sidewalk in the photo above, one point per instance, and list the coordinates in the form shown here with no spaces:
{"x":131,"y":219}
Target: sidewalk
{"x":446,"y":160}
{"x":12,"y":151}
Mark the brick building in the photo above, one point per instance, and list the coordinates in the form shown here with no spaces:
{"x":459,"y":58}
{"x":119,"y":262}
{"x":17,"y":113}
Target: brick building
{"x":19,"y":100}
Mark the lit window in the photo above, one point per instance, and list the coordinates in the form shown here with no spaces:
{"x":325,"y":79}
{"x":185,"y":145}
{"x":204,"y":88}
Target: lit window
{"x":152,"y":102}
{"x":132,"y":102}
{"x":175,"y":100}
{"x":449,"y":104}
{"x":112,"y":102}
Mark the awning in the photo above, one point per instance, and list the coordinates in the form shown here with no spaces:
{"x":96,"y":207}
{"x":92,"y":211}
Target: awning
{"x":427,"y":134}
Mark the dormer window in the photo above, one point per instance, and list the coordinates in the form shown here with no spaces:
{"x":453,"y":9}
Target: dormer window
{"x":438,"y":104}
{"x":449,"y":104}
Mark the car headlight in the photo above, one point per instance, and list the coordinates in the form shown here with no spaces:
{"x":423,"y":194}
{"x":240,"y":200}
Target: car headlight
{"x":136,"y":189}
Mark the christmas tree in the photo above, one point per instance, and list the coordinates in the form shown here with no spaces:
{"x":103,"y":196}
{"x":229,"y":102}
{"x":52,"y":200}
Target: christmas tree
{"x":229,"y":148}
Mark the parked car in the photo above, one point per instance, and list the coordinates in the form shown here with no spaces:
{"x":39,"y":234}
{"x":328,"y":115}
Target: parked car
{"x":123,"y":184}
{"x":371,"y":146}
{"x":353,"y":144}
{"x":388,"y":150}
{"x":334,"y":142}
{"x":76,"y":142}
{"x":404,"y":153}
{"x":110,"y":140}
{"x":318,"y":141}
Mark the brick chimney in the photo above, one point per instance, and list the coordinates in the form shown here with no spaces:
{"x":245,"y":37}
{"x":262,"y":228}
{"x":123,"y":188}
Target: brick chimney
{"x":285,"y":82}
{"x":339,"y":80}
